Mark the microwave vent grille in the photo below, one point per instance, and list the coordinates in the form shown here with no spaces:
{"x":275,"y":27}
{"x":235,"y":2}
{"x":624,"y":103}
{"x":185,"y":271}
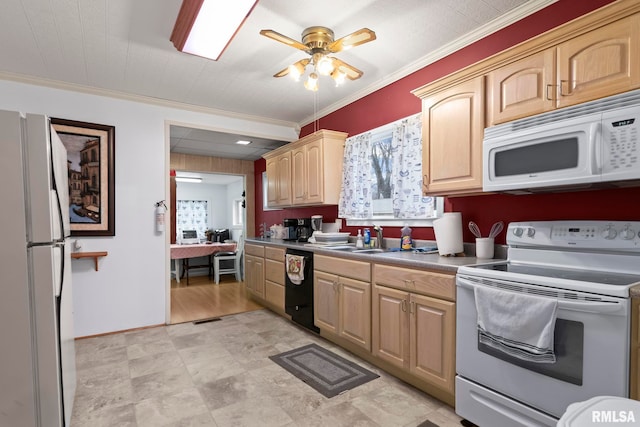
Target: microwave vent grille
{"x":628,"y":99}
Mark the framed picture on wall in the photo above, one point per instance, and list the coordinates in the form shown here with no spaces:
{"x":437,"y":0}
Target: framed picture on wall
{"x":91,"y":166}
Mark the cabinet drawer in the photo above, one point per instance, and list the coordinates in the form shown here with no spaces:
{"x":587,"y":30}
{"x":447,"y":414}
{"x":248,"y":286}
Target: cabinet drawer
{"x":276,"y":254}
{"x":343,"y":267}
{"x":430,"y":283}
{"x":274,"y":271}
{"x":257,"y":250}
{"x":274,"y":293}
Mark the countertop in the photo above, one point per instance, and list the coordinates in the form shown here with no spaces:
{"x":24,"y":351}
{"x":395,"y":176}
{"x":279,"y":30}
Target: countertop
{"x":406,"y":259}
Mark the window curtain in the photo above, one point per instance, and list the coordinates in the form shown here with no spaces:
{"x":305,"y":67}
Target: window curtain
{"x":408,"y":201}
{"x":406,"y":177}
{"x":355,"y":194}
{"x":192,"y":215}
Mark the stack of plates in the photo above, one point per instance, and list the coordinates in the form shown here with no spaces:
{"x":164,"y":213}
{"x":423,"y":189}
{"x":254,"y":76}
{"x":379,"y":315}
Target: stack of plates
{"x":331,"y":238}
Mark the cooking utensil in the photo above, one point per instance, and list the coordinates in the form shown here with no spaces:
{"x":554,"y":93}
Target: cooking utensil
{"x":475,"y":230}
{"x":496,"y":229}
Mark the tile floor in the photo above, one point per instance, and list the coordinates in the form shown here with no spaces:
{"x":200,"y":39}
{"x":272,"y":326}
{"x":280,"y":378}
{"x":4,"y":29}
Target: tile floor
{"x":218,"y":374}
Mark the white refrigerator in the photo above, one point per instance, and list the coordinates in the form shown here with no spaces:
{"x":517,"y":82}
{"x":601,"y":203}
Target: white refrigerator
{"x":37,"y":353}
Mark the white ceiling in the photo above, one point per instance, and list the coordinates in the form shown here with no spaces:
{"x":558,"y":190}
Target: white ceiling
{"x":122,"y":47}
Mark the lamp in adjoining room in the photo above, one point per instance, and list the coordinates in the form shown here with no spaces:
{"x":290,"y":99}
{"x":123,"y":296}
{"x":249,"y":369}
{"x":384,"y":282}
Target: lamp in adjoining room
{"x":205,"y":27}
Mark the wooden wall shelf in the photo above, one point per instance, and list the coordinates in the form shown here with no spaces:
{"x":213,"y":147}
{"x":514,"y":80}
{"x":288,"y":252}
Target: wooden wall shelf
{"x":94,"y":255}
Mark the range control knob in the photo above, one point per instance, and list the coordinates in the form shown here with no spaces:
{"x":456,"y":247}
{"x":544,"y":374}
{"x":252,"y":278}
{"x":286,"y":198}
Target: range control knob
{"x":609,"y":233}
{"x":531,"y":232}
{"x":518,"y":232}
{"x":627,"y":233}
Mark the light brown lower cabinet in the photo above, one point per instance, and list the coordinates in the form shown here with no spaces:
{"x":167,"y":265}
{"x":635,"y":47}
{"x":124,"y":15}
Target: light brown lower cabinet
{"x":254,"y":269}
{"x":342,"y":306}
{"x":412,"y":331}
{"x":274,"y":277}
{"x":634,"y":371}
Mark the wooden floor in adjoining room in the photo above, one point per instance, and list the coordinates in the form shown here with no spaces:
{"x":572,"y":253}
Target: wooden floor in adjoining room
{"x":203,"y":299}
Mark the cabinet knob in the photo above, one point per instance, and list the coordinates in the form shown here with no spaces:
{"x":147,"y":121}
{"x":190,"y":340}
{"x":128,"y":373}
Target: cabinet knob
{"x":562,"y":85}
{"x":404,"y":305}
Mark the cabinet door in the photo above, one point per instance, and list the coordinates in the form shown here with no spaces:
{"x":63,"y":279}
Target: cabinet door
{"x":255,"y":275}
{"x":452,"y":131}
{"x":298,"y":176}
{"x":315,"y":173}
{"x":325,"y":301}
{"x":284,"y":179}
{"x":432,"y":332}
{"x":522,"y":88}
{"x":272,"y":182}
{"x":355,"y":312}
{"x":274,"y":294}
{"x":390,"y":338}
{"x":600,"y":63}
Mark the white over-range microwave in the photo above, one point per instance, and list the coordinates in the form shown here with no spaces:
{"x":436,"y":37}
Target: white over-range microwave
{"x":594,"y":144}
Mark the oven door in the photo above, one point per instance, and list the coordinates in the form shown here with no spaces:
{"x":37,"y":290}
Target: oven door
{"x":591,"y":346}
{"x":557,"y":154}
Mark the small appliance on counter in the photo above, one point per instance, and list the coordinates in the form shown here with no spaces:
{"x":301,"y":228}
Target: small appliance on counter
{"x":299,"y":229}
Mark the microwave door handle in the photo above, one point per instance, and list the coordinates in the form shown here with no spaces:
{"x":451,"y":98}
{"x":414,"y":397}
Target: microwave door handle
{"x":595,"y":147}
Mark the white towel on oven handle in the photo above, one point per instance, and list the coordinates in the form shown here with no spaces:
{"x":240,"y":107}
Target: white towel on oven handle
{"x":520,"y":325}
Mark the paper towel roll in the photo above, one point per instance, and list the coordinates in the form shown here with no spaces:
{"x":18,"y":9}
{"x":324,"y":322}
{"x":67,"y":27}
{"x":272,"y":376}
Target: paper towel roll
{"x":448,"y":230}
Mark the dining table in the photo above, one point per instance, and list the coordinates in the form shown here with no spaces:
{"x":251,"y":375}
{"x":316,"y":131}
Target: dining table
{"x":182,"y":252}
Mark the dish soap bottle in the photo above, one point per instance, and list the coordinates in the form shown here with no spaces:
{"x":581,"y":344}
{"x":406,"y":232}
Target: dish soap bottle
{"x":367,"y":238}
{"x":359,"y":243}
{"x":406,"y":241}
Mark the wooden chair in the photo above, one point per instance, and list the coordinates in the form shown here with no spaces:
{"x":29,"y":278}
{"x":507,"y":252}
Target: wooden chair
{"x":236,"y":257}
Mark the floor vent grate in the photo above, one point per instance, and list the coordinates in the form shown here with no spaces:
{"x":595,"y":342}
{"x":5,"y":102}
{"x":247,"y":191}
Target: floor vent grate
{"x":211,"y":319}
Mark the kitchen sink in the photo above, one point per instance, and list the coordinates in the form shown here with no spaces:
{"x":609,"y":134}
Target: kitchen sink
{"x":369,"y":251}
{"x":356,"y":250}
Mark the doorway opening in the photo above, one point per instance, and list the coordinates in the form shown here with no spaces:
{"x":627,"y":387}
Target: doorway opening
{"x":212,"y":208}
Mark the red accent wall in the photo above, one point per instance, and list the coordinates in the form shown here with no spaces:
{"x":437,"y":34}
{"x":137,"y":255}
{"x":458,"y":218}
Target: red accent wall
{"x":395,"y":101}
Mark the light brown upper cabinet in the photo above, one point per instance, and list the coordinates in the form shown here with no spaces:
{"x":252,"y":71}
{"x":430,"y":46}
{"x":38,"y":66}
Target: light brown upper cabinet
{"x":600,"y":63}
{"x":452,"y":132}
{"x":279,"y":180}
{"x":521,"y":89}
{"x":314,"y":171}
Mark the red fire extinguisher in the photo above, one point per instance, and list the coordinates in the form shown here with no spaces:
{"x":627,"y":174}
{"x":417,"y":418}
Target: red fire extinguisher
{"x":161,"y":208}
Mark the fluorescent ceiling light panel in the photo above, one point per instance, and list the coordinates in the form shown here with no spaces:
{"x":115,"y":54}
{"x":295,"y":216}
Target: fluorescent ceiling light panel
{"x":188,"y":179}
{"x":206,"y":27}
{"x":243,"y":142}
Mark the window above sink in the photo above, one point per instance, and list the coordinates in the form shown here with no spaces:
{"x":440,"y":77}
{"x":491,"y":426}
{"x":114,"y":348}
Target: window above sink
{"x":382,"y":178}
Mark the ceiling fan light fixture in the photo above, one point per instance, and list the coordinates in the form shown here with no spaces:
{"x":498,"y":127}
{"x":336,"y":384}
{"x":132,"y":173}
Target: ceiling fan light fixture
{"x":338,"y":76}
{"x":205,"y":27}
{"x":312,"y":82}
{"x":296,"y":70}
{"x":325,"y":65}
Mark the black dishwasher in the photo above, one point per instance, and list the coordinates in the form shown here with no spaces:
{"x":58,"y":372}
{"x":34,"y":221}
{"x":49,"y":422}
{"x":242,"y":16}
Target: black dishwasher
{"x":298,"y":290}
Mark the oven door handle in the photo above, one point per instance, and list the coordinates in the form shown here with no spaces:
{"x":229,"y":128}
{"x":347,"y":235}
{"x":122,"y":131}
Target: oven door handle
{"x":591,"y":307}
{"x":586,"y":307}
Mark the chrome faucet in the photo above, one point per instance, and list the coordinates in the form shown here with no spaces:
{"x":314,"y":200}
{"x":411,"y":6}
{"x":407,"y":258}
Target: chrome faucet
{"x":379,"y":237}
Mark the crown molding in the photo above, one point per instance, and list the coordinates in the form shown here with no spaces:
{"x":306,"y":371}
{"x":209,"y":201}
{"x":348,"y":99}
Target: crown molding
{"x":55,"y":84}
{"x":489,"y":28}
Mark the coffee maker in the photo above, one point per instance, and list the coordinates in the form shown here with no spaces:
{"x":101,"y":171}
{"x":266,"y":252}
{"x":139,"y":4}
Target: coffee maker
{"x":298,"y":228}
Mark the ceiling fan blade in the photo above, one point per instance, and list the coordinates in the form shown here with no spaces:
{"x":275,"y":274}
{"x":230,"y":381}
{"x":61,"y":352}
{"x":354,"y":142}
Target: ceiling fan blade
{"x":283,"y":39}
{"x":362,"y":36}
{"x":352,"y":72}
{"x":303,"y":63}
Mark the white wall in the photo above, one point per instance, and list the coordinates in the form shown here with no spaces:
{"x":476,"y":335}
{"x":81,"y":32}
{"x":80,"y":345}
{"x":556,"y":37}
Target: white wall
{"x":130,"y":288}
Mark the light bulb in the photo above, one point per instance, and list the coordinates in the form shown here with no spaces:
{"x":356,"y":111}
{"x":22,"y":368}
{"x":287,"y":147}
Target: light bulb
{"x":338,"y":77}
{"x":325,"y":65}
{"x":295,"y":71}
{"x":312,"y":82}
